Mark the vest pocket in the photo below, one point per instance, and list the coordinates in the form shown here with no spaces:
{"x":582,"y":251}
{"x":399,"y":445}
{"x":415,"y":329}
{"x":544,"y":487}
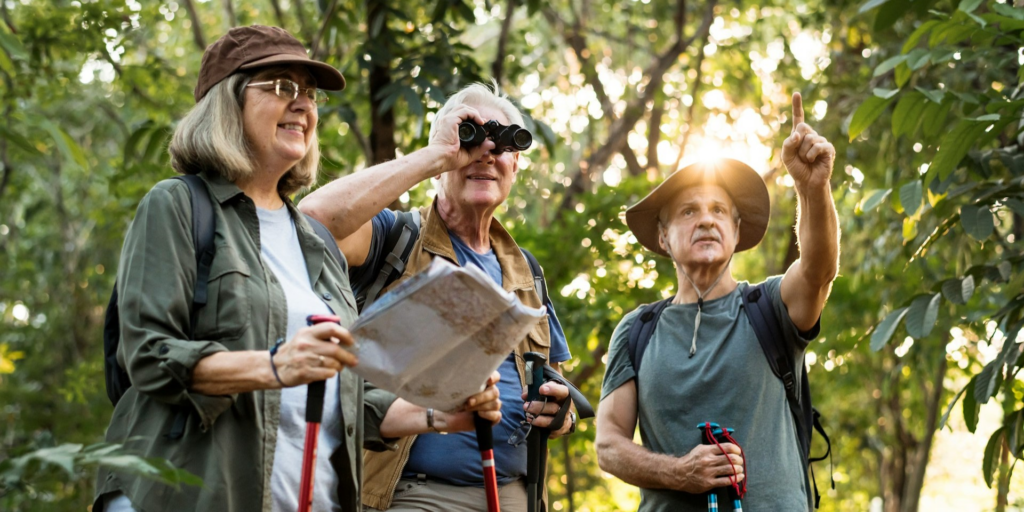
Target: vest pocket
{"x":226,"y":314}
{"x":539,"y":338}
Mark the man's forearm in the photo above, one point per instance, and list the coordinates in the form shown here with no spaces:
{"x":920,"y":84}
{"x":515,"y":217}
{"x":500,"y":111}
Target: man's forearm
{"x":347,"y":203}
{"x":818,"y":234}
{"x":637,"y":465}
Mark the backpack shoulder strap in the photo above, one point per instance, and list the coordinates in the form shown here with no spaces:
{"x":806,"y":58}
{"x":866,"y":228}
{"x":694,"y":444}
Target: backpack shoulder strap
{"x":642,"y":330}
{"x":759,"y":310}
{"x":397,"y":248}
{"x":328,"y":238}
{"x":539,"y":283}
{"x":203,"y":230}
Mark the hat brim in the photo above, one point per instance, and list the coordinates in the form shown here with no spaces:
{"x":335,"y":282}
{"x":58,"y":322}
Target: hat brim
{"x":743,"y":184}
{"x":327,"y":76}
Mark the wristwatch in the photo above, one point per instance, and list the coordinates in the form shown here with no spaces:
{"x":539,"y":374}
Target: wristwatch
{"x":430,"y":422}
{"x":572,"y":424}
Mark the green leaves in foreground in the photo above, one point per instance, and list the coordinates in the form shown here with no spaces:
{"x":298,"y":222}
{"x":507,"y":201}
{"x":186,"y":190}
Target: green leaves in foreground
{"x":977,"y":221}
{"x":866,"y":114}
{"x":18,"y":472}
{"x":920,"y":315}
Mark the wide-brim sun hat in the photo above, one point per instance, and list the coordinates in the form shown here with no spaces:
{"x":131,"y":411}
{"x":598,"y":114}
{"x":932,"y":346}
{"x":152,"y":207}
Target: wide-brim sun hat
{"x":259,"y":46}
{"x":744,"y":185}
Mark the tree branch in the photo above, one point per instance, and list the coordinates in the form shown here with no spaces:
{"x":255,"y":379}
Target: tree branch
{"x":688,"y":120}
{"x":499,"y":58}
{"x":654,"y":132}
{"x":229,"y":11}
{"x":197,"y":28}
{"x":303,"y":22}
{"x":278,"y":13}
{"x":315,"y":45}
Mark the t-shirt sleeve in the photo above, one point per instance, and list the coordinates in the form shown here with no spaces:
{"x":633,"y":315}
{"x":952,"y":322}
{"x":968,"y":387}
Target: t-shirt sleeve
{"x":793,"y":335}
{"x":619,"y":369}
{"x":362,"y":276}
{"x":559,"y":346}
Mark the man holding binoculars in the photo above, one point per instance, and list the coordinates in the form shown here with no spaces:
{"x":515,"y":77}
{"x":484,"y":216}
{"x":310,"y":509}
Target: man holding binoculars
{"x":474,"y":157}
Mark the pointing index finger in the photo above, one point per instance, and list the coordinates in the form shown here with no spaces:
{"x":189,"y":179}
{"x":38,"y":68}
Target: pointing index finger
{"x":798,"y":110}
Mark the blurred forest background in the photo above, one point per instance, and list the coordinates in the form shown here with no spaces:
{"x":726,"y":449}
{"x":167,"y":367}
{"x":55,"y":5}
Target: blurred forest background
{"x":916,"y":369}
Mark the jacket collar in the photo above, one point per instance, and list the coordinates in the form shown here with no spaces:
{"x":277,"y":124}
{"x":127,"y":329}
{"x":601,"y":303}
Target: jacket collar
{"x":223,"y":191}
{"x":515,"y":271}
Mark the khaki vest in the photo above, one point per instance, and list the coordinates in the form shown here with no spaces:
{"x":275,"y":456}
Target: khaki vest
{"x":382,"y":470}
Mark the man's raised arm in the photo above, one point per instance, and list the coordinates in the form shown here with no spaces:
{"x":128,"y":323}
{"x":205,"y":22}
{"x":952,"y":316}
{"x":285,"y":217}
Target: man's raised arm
{"x":809,"y":158}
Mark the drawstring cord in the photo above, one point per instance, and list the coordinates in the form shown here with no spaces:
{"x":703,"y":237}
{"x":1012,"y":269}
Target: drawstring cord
{"x":700,"y":300}
{"x":741,"y":490}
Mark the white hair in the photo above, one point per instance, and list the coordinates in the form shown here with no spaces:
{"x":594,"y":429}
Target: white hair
{"x":481,"y":95}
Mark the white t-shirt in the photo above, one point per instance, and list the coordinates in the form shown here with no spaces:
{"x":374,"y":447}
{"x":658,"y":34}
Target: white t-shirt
{"x":279,"y":246}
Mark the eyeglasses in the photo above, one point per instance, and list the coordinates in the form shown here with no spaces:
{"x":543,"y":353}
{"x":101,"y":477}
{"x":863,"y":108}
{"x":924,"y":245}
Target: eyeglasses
{"x":289,"y":90}
{"x":521,"y":432}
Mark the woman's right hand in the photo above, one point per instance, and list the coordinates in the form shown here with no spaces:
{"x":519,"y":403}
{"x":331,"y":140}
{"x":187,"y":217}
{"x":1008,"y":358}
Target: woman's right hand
{"x":314,"y":354}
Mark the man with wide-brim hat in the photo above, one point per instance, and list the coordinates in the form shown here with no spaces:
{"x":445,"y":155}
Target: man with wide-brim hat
{"x":703,"y":362}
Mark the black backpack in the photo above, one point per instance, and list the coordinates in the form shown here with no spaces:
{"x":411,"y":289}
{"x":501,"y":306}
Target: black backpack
{"x":203,"y":230}
{"x":758,"y":307}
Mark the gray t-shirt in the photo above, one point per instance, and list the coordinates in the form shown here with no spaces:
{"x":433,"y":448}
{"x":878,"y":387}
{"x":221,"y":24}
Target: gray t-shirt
{"x":728,"y":381}
{"x":279,"y":246}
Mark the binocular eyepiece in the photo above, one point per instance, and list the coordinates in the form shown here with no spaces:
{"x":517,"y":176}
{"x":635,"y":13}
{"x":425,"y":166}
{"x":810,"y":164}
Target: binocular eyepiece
{"x":506,"y":138}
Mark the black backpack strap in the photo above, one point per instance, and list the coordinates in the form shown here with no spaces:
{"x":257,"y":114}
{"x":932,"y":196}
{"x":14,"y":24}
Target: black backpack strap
{"x":539,"y":283}
{"x":204,"y":227}
{"x":642,"y":329}
{"x":761,"y":313}
{"x":329,"y":241}
{"x":397,"y":247}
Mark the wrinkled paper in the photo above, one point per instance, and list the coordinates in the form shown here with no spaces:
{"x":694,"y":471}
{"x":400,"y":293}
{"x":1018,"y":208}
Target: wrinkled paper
{"x":434,"y":339}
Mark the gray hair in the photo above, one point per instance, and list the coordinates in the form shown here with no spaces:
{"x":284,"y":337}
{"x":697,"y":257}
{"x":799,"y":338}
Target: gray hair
{"x":480,"y":94}
{"x":211,"y":137}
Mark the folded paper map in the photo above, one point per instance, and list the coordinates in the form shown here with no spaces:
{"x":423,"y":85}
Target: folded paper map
{"x":434,"y":339}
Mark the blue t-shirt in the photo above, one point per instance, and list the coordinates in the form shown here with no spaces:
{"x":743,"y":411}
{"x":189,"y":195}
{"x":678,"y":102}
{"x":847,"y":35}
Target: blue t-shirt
{"x":455,"y":458}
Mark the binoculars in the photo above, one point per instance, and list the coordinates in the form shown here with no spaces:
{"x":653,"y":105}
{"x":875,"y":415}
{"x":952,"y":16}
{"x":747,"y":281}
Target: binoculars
{"x":506,"y":138}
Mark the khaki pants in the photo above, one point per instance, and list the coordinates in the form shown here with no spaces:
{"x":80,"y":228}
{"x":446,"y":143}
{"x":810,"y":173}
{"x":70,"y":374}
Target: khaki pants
{"x":432,"y":496}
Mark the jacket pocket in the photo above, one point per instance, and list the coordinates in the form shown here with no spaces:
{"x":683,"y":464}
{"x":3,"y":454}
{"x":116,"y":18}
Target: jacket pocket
{"x":226,"y":314}
{"x":539,"y":338}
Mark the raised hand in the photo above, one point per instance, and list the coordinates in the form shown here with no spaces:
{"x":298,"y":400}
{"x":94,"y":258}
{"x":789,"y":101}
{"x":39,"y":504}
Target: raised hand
{"x":446,"y":138}
{"x":809,"y":157}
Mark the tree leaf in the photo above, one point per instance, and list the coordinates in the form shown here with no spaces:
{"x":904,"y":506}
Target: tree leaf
{"x":884,"y":331}
{"x":18,"y":141}
{"x":870,"y":4}
{"x":934,"y":120}
{"x":872,"y":200}
{"x":922,"y":314}
{"x":935,"y":96}
{"x":969,"y":6}
{"x":918,"y":58}
{"x":866,"y":114}
{"x":949,"y":408}
{"x":907,"y":115}
{"x":988,"y":464}
{"x":918,"y":33}
{"x":67,"y":146}
{"x":988,"y":378}
{"x":888,"y":64}
{"x":910,"y":197}
{"x":971,"y":407}
{"x":1016,"y":205}
{"x":885,"y":93}
{"x":977,"y":221}
{"x":955,"y":145}
{"x":958,"y":291}
{"x":909,"y":229}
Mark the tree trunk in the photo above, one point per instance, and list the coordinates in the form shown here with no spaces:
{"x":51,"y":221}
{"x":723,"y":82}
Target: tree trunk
{"x":197,"y":27}
{"x":499,"y":59}
{"x":915,"y":480}
{"x":229,"y":13}
{"x":382,"y":129}
{"x":570,"y":484}
{"x":654,"y":131}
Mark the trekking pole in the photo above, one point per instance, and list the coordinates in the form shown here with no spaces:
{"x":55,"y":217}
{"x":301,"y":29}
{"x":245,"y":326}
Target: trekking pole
{"x":314,"y":413}
{"x":534,"y":446}
{"x":719,"y":435}
{"x":485,"y":442}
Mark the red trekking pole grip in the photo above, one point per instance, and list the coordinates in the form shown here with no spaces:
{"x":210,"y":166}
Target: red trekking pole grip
{"x":314,"y":414}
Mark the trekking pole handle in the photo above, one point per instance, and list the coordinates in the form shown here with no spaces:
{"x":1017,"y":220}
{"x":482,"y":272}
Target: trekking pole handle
{"x":315,"y":391}
{"x":535,"y":362}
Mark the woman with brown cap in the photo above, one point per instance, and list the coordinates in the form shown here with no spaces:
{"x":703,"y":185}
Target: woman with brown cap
{"x":219,"y":390}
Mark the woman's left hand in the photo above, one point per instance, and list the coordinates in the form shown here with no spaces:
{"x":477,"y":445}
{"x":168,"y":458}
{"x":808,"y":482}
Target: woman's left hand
{"x":485,"y":403}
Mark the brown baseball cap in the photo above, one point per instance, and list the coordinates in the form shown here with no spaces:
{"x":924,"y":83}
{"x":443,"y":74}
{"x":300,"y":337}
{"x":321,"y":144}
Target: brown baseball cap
{"x":258,"y":46}
{"x":743,"y":184}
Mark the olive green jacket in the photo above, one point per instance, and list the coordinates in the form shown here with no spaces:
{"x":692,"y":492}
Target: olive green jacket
{"x":228,"y":441}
